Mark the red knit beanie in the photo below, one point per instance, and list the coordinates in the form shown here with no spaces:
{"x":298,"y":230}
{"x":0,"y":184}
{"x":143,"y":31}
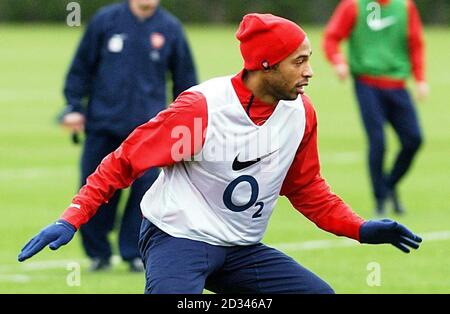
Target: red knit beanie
{"x":267,"y":39}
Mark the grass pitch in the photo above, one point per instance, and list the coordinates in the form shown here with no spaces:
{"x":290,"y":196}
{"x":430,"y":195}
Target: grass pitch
{"x":39,"y":171}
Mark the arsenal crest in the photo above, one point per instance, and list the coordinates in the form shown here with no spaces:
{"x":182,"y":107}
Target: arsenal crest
{"x":157,"y":40}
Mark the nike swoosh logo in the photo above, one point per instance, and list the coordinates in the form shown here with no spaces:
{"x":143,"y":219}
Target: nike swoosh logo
{"x":239,"y":165}
{"x":380,"y":24}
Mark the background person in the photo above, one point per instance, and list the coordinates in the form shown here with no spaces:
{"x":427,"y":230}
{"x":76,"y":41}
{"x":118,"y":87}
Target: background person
{"x":385,"y":46}
{"x":121,"y":66}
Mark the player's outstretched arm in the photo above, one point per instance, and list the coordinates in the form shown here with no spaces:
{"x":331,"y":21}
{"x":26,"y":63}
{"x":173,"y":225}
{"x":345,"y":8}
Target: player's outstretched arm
{"x":389,"y":231}
{"x":150,"y":145}
{"x":54,"y":235}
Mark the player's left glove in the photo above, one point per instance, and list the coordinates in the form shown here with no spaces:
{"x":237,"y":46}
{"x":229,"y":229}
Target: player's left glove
{"x":54,"y":235}
{"x":388,"y":231}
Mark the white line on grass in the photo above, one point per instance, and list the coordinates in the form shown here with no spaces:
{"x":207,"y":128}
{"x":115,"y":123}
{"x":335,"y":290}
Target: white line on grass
{"x":340,"y":243}
{"x":287,"y":246}
{"x":30,"y":173}
{"x":41,"y":265}
{"x":437,"y":235}
{"x":18,"y":278}
{"x":50,"y":264}
{"x":53,"y":264}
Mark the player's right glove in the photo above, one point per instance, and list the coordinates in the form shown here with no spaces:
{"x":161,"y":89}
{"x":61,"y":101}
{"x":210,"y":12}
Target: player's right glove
{"x":388,"y":231}
{"x":54,"y":235}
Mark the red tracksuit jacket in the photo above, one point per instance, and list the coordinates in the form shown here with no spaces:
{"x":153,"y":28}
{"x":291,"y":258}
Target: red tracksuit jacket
{"x":150,"y":146}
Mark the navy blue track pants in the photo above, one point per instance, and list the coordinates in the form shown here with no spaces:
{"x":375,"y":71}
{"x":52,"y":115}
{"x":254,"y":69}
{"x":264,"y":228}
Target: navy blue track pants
{"x":378,"y":106}
{"x":184,"y":266}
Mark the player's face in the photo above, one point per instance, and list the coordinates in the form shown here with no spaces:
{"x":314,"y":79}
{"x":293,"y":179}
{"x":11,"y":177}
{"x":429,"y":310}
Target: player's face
{"x":145,"y":5}
{"x":288,"y":79}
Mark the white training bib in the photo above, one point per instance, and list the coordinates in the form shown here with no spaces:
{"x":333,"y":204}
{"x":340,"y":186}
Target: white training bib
{"x":226,"y":194}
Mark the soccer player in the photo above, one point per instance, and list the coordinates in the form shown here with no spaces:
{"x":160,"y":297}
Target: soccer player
{"x":229,"y":147}
{"x":385,"y":46}
{"x":121,"y":66}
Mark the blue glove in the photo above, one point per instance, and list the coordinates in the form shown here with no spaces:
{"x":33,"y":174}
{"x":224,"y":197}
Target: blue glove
{"x":388,"y":231}
{"x":57,"y":234}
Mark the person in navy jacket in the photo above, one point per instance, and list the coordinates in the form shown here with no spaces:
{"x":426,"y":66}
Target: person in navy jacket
{"x":116,"y":82}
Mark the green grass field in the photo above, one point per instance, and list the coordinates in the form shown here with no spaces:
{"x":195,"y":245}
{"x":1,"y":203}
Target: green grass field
{"x":39,"y":170}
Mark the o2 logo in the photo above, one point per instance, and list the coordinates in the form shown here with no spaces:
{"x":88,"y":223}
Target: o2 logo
{"x":228,"y":193}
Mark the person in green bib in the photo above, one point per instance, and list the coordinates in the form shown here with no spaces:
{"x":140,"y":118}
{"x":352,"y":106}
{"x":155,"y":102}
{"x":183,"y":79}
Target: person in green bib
{"x":386,"y":46}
